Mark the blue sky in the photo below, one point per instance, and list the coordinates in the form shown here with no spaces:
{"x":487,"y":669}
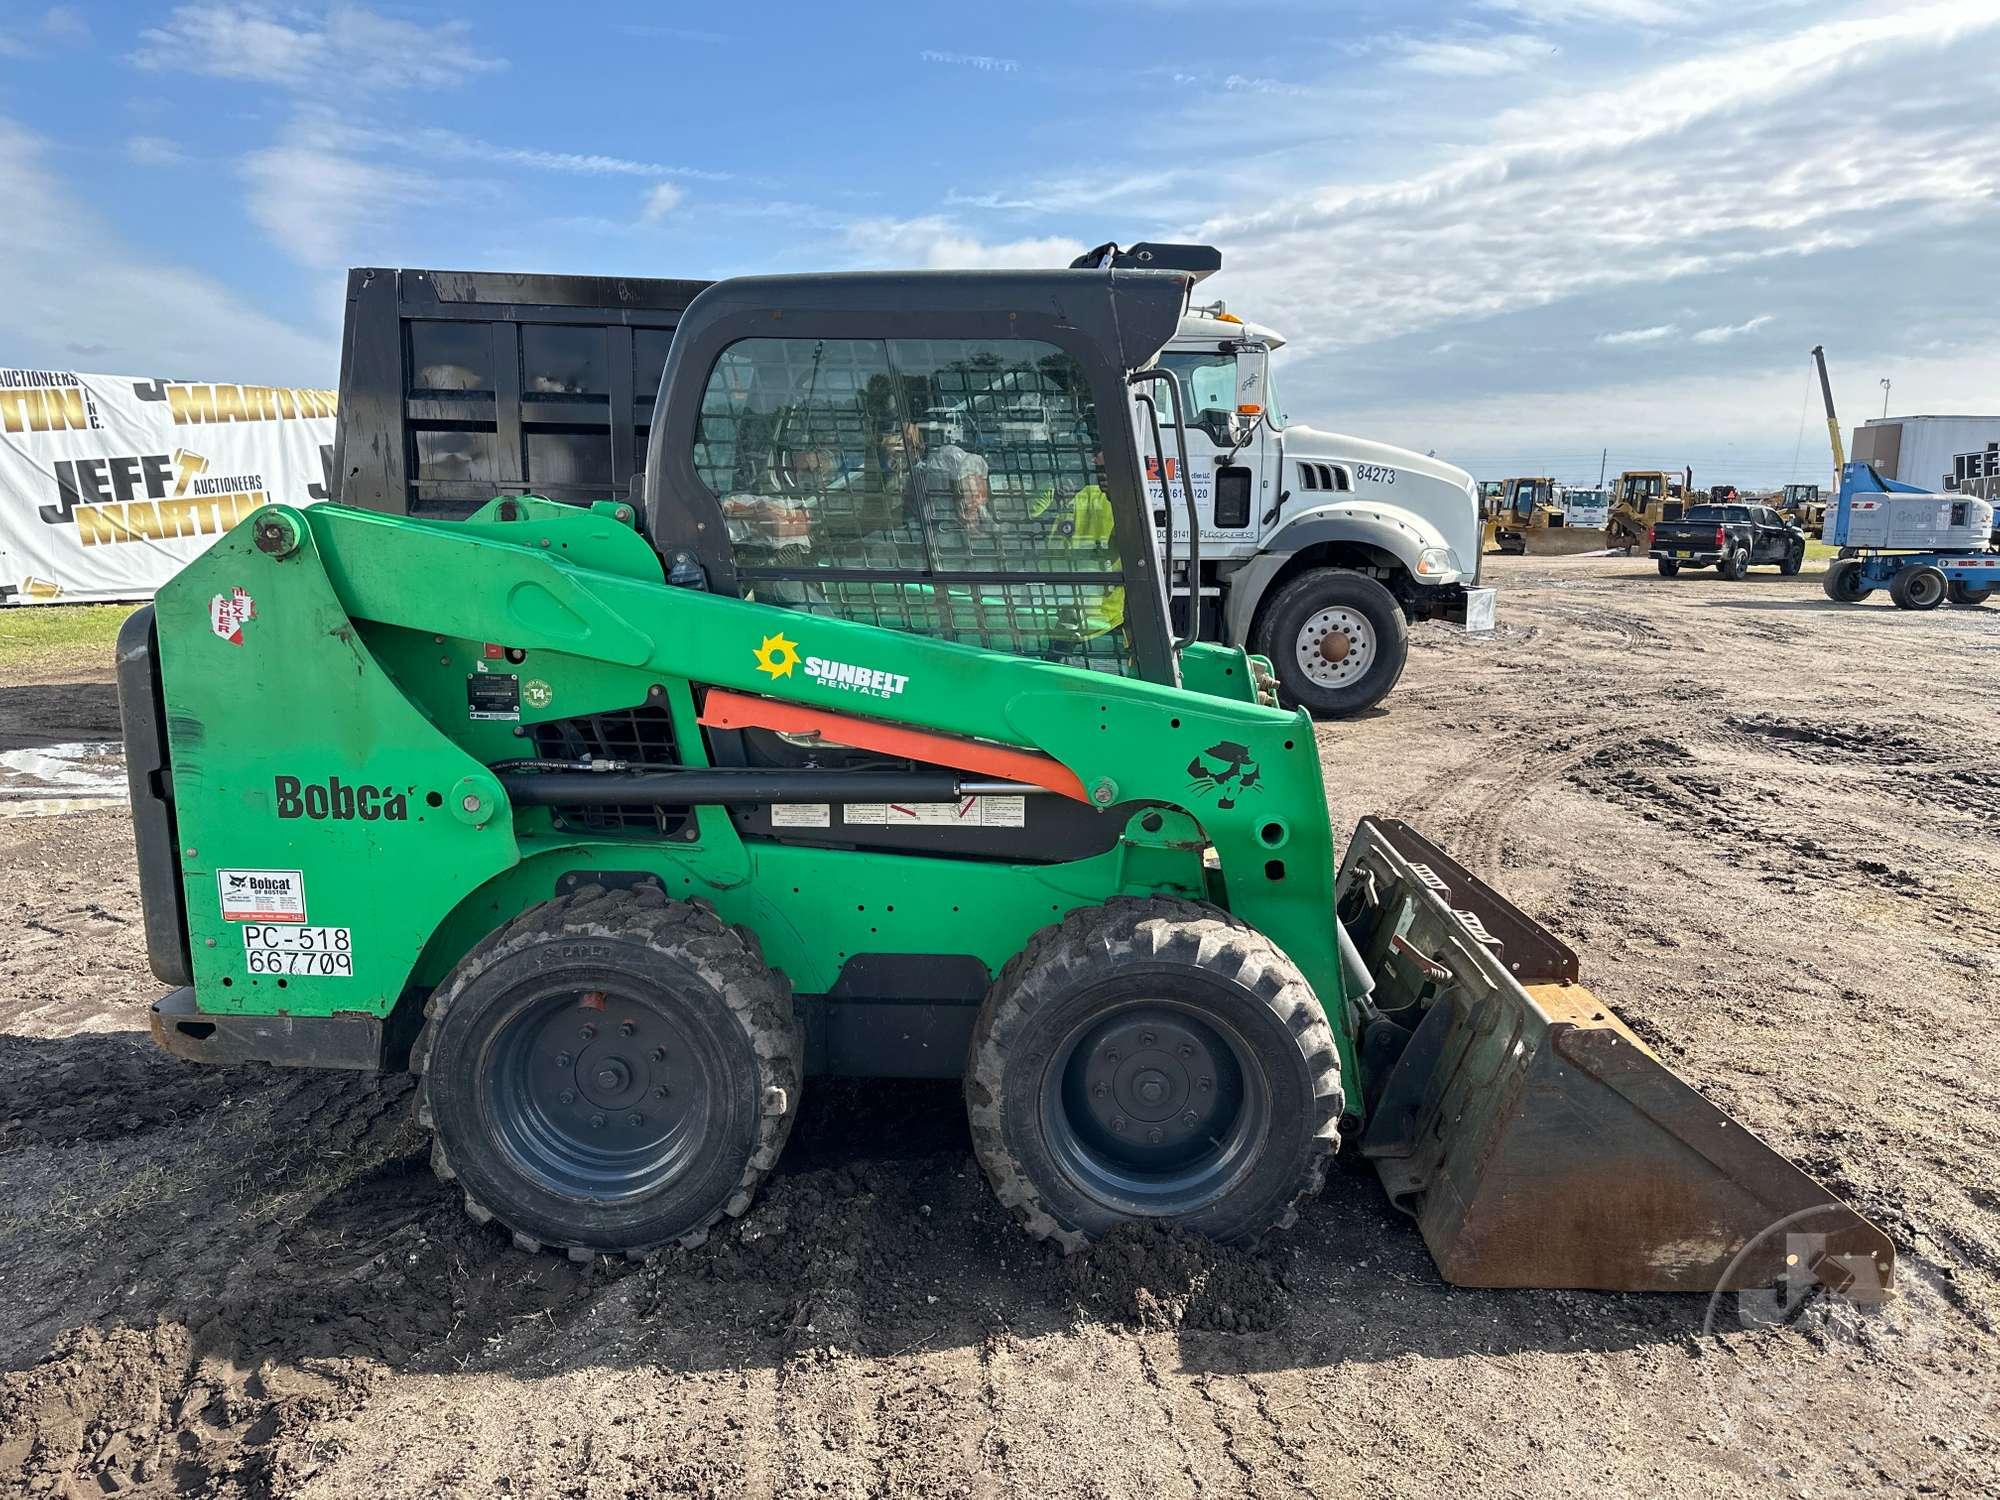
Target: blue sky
{"x":1512,"y":231}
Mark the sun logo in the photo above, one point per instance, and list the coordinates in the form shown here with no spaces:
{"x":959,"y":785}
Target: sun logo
{"x":777,"y":655}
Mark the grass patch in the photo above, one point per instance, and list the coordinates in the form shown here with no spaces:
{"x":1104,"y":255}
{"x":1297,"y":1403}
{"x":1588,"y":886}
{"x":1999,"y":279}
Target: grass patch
{"x":49,"y":636}
{"x":1821,"y":551}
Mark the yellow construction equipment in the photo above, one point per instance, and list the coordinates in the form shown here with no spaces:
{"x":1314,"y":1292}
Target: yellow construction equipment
{"x":1643,"y":499}
{"x":1524,"y":507}
{"x":1804,"y":507}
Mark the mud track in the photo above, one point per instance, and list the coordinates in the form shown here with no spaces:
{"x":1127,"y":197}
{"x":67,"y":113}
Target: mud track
{"x":1768,"y":825}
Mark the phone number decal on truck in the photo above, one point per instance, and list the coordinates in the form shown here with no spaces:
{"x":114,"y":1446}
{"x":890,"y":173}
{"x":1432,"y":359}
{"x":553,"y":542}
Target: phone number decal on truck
{"x":274,"y":949}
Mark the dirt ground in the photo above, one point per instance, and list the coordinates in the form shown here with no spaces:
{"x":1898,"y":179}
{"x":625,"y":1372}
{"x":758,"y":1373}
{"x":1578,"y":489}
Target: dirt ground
{"x":1765,"y":821}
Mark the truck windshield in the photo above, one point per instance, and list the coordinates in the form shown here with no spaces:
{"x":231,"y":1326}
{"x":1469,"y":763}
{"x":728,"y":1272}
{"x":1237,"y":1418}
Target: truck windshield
{"x":1207,"y":377}
{"x":1274,"y":407}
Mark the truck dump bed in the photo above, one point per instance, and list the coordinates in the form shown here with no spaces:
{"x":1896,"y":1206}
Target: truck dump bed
{"x":456,"y":386}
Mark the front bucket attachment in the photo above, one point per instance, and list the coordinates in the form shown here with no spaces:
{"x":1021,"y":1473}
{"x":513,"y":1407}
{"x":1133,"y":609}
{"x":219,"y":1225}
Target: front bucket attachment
{"x":1534,"y":1138}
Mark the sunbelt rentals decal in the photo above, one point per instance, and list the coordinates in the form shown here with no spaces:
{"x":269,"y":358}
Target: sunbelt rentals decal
{"x":778,"y":657}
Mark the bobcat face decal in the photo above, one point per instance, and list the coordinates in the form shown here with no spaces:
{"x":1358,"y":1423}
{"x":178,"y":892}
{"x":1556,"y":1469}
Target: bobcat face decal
{"x":1226,"y":769}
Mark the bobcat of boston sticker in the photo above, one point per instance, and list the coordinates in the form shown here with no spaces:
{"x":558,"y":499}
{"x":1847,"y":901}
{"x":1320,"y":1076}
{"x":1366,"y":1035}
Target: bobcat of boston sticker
{"x":229,"y":613}
{"x":262,"y":895}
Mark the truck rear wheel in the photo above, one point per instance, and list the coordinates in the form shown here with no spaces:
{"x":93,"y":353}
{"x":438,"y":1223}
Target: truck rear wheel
{"x":610,"y":1071}
{"x":1337,"y":641}
{"x":1735,"y":566}
{"x":1966,"y":595}
{"x":1669,"y":567}
{"x":1919,"y":587}
{"x":1152,"y":1060}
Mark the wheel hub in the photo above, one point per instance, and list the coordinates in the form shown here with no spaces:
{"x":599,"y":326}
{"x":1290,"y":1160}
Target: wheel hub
{"x":1152,"y":1090}
{"x":597,"y":1094}
{"x":1335,"y":646}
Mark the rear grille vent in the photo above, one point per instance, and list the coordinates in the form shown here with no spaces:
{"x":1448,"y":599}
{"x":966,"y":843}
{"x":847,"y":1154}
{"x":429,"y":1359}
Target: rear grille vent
{"x":636,"y":734}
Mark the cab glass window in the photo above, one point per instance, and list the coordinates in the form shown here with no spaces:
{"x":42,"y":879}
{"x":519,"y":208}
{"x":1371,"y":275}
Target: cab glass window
{"x":1207,"y":377}
{"x":947,"y":486}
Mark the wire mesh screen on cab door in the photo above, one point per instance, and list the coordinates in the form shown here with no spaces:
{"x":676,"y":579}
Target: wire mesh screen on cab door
{"x":949,"y":487}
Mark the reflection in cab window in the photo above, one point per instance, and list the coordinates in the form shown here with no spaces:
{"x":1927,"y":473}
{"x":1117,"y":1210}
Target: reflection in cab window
{"x":950,"y":487}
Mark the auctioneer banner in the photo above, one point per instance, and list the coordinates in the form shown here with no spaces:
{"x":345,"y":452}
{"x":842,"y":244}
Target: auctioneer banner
{"x":110,"y":484}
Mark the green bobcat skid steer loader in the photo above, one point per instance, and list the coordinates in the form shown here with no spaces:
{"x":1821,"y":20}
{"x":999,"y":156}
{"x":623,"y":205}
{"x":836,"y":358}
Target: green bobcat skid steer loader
{"x":856,"y":740}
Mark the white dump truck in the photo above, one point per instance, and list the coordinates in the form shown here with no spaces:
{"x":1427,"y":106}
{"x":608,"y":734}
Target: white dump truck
{"x":1316,"y":549}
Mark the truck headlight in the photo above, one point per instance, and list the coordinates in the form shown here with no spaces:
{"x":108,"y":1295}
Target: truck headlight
{"x":1432,"y":562}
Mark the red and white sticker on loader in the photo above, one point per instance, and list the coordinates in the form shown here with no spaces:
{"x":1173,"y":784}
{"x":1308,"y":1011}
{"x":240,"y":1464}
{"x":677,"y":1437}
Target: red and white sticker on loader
{"x":261,"y":895}
{"x":966,"y":812}
{"x":229,"y":613}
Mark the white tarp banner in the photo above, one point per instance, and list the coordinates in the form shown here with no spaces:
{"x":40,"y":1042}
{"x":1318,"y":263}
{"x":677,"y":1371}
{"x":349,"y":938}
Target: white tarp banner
{"x":110,"y":484}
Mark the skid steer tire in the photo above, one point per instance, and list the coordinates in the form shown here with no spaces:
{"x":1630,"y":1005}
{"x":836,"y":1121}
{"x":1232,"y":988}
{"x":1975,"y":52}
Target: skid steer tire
{"x":1337,"y":641}
{"x":1967,"y":596}
{"x":1152,"y":1060}
{"x":611,"y":1071}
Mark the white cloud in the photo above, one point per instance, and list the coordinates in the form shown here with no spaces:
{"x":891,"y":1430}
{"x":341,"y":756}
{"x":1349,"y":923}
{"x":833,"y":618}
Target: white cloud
{"x":328,"y":208}
{"x":1599,"y":12}
{"x":934,"y":242}
{"x":1482,"y":57}
{"x":60,"y":25}
{"x":1053,"y":195}
{"x":1237,"y":83}
{"x":351,"y":50}
{"x":972,"y":60}
{"x":1723,"y":333}
{"x":661,"y":200}
{"x":63,"y":23}
{"x":1651,"y":335}
{"x":1745,"y":155}
{"x":154,"y":151}
{"x":80,"y":295}
{"x":449,"y":143}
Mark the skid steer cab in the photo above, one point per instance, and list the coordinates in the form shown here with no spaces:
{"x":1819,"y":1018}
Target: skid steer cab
{"x":855,"y":741}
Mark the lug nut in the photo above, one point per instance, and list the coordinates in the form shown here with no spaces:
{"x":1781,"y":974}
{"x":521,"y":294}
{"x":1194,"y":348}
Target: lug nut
{"x":1186,"y":1052}
{"x":1100,"y":1089}
{"x":626,"y":1028}
{"x":660,"y":1092}
{"x":567,"y":1096}
{"x":658,"y":1054}
{"x":597,"y":1122}
{"x":1111,"y":1055}
{"x":1206,"y":1084}
{"x":562,"y":1059}
{"x":1118,"y":1122}
{"x":587,"y":1032}
{"x":1190,"y":1119}
{"x":1155,"y":1137}
{"x":635,"y":1118}
{"x":1146,"y":1039}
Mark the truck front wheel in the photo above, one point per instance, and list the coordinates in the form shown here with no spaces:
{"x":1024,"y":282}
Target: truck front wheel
{"x":1337,"y":640}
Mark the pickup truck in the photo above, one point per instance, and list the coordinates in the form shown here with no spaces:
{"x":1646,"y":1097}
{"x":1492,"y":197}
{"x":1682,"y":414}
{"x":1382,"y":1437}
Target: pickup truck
{"x":1735,"y":538}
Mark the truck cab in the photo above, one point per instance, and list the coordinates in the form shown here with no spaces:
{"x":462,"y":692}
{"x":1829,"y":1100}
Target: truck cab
{"x":1316,"y":549}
